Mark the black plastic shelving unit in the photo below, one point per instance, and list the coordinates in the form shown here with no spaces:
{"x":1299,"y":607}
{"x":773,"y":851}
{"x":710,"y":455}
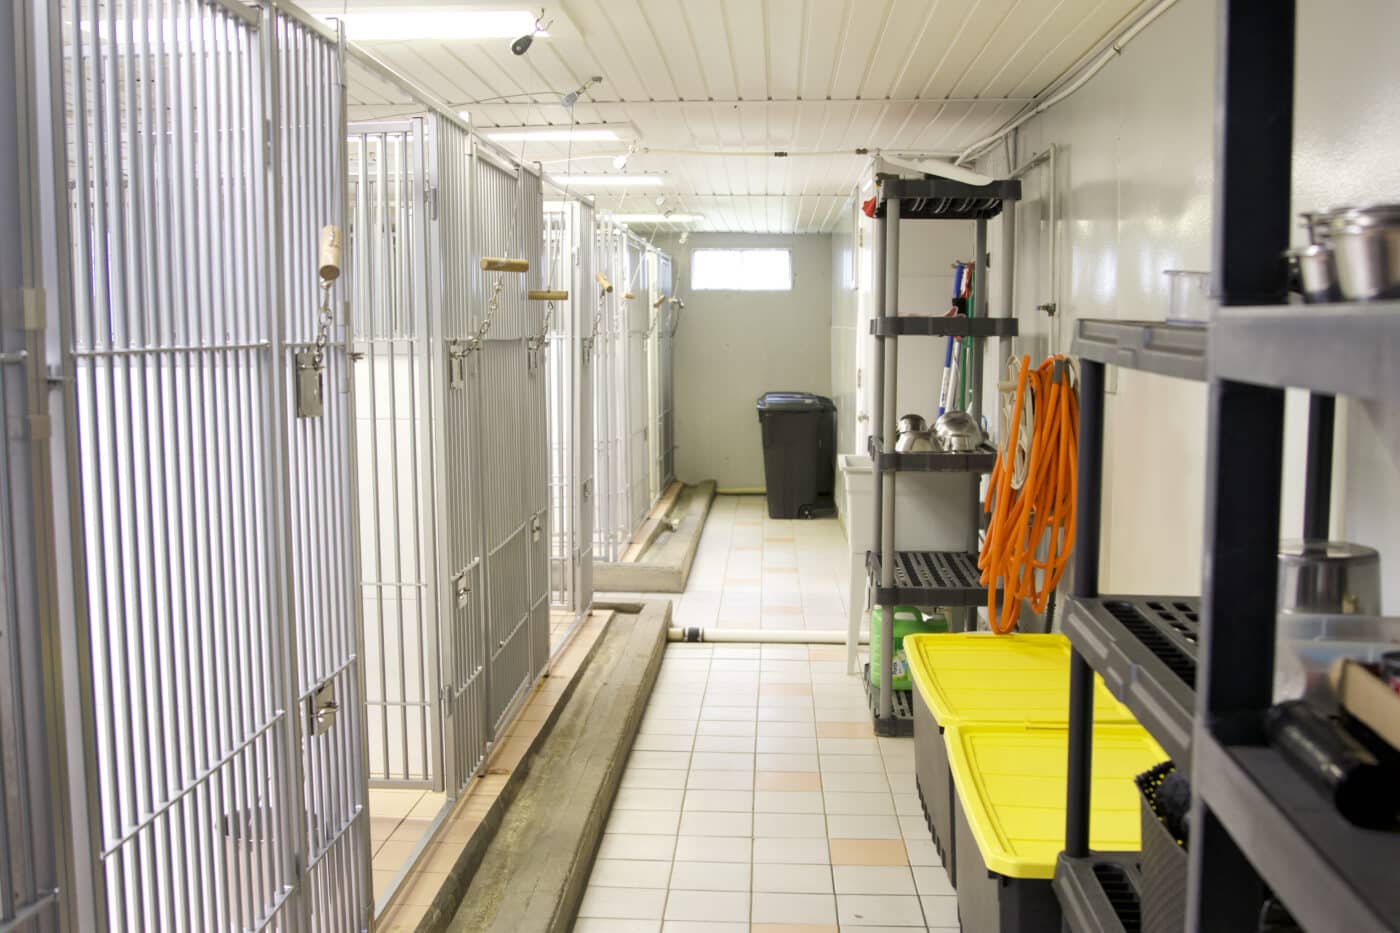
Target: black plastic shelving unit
{"x":981,"y":460}
{"x":1100,"y":892}
{"x":925,"y":578}
{"x":1256,"y":824}
{"x":1145,"y":647}
{"x":1331,"y":874}
{"x":957,"y":325}
{"x":929,"y":578}
{"x":1335,"y":349}
{"x":1167,"y":349}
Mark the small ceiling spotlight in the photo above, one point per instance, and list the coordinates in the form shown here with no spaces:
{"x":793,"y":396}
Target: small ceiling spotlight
{"x":620,"y":162}
{"x":522,"y":45}
{"x":571,"y":98}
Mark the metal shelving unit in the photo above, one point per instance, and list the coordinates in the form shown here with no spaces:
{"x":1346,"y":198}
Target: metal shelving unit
{"x":924,"y":578}
{"x":1145,"y":647}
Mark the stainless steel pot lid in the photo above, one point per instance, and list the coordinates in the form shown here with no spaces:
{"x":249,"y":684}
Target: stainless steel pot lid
{"x":1326,"y":551}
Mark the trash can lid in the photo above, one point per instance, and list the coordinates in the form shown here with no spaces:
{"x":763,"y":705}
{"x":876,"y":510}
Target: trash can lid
{"x":794,"y":401}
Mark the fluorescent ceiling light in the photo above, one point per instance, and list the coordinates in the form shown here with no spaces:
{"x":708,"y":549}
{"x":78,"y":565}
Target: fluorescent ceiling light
{"x":548,"y":134}
{"x":657,"y":218}
{"x":429,"y":23}
{"x":610,"y":181}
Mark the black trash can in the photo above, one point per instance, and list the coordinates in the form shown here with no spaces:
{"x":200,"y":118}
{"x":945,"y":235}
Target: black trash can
{"x":799,"y":454}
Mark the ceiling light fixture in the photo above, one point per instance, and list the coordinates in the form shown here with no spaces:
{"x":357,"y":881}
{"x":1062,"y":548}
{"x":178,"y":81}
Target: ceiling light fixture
{"x":430,"y":23}
{"x":522,"y":45}
{"x":553,"y":134}
{"x":620,"y":162}
{"x":610,"y":181}
{"x":571,"y":98}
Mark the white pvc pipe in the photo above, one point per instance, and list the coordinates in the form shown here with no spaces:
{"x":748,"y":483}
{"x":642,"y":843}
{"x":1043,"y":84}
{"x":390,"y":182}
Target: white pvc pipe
{"x":766,"y":636}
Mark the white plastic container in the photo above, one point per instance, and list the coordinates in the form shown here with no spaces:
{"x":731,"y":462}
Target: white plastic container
{"x":1306,"y":646}
{"x":932,"y":512}
{"x":1188,"y":296}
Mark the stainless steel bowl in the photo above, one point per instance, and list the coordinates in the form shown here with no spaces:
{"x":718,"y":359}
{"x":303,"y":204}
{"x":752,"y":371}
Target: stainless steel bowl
{"x":957,"y":431}
{"x":1317,"y":272}
{"x":1328,"y":577}
{"x":1366,"y":247}
{"x":913,"y":442}
{"x":911,"y":423}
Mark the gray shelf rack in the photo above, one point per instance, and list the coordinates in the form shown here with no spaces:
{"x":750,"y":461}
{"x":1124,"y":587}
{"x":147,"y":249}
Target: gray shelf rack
{"x":1167,"y":349}
{"x":981,"y":460}
{"x":929,"y":578}
{"x":957,"y":325}
{"x":1336,"y":349}
{"x":924,"y":578}
{"x":1145,"y":647}
{"x":1256,"y":824}
{"x":1100,"y":892}
{"x":1331,"y":874}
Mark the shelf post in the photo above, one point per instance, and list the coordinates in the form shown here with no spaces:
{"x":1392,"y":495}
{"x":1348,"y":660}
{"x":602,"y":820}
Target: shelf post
{"x":979,"y":310}
{"x":889,"y":348}
{"x":1244,"y":465}
{"x":1079,"y":773}
{"x":1317,"y":488}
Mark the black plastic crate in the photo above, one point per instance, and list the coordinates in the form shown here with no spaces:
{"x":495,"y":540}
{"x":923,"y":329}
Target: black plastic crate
{"x":1164,"y":861}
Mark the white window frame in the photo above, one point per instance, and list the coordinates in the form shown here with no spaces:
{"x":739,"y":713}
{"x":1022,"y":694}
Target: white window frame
{"x":697,"y":287}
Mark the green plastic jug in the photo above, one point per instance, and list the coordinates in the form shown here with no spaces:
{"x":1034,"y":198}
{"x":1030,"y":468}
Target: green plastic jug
{"x":907,"y":621}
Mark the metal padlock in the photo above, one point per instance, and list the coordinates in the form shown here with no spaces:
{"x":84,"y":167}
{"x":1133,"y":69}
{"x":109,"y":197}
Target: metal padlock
{"x":309,"y":398}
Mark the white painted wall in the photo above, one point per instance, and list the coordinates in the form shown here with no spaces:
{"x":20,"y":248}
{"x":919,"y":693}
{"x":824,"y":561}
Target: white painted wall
{"x":1134,"y":197}
{"x":1135,"y":172}
{"x":732,"y":347}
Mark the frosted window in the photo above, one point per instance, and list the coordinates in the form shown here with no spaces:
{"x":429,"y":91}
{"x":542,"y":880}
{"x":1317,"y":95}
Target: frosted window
{"x":744,"y":270}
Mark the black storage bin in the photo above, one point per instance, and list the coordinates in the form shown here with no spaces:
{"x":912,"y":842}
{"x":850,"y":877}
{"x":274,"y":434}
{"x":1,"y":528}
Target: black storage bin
{"x":1164,"y":861}
{"x":799,"y":453}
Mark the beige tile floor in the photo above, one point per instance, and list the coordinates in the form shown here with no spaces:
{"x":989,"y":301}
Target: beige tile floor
{"x":757,"y":797}
{"x":755,"y":572}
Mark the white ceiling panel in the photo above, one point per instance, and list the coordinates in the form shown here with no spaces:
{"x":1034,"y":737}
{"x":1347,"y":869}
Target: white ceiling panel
{"x":714,"y":87}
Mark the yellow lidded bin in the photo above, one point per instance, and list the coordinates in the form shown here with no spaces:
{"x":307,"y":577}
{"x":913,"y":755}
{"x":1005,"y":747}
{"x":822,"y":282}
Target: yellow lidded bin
{"x":980,"y":677}
{"x":1010,"y":814}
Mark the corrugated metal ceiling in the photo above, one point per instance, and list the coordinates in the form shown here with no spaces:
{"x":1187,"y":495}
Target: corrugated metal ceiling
{"x":695,"y":78}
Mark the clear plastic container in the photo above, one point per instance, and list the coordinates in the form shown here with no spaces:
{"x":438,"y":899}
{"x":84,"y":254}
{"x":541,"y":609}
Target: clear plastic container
{"x":1188,"y":296}
{"x":1306,"y":646}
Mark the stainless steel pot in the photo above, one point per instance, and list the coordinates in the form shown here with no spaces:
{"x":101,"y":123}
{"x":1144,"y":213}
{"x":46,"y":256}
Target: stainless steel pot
{"x":1366,"y":247}
{"x":957,"y":431}
{"x":1317,"y":272}
{"x":1328,"y":577}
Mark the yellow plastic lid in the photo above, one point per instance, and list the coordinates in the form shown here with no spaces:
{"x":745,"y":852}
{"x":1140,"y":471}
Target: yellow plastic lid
{"x":1011,"y":781}
{"x":981,"y":677}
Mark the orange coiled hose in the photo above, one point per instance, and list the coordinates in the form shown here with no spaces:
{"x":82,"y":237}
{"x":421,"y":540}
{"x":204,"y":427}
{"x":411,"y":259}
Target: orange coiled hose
{"x":1041,"y":511}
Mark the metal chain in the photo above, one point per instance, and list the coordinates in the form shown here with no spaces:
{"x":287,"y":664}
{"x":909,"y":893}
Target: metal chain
{"x":325,"y":319}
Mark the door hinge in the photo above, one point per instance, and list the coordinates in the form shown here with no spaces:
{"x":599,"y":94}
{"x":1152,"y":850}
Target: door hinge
{"x":430,"y":198}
